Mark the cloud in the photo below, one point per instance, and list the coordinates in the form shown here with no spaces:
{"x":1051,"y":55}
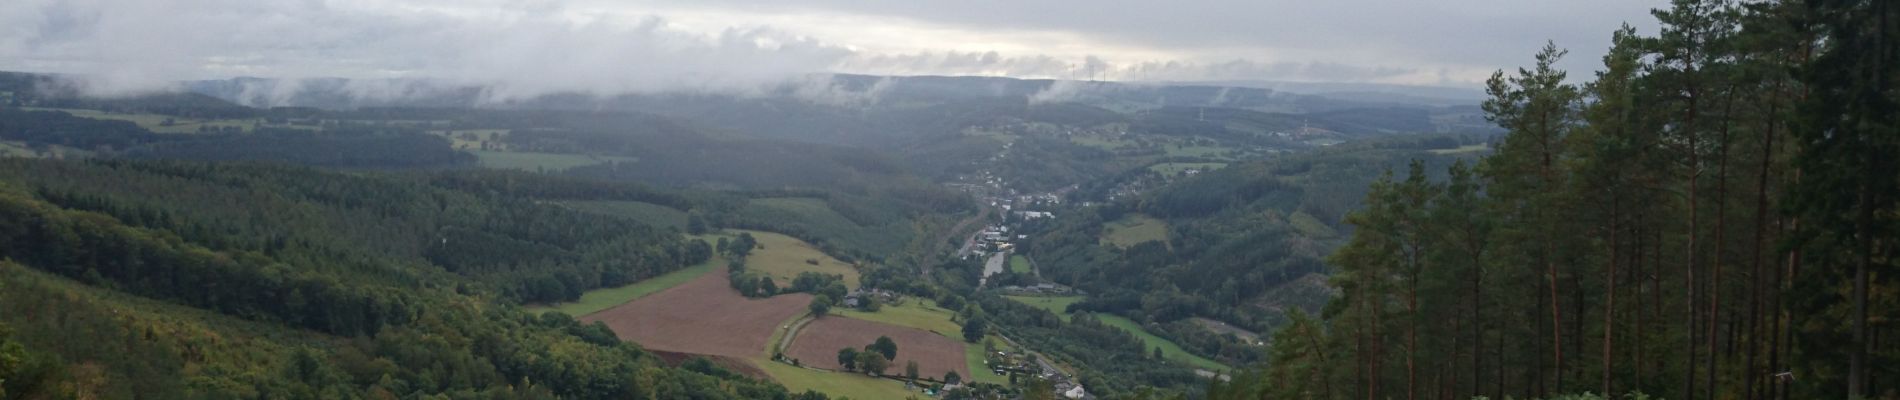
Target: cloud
{"x":523,"y":48}
{"x":517,"y":50}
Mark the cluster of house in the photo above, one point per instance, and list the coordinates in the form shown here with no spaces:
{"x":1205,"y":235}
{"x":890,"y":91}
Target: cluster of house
{"x":857,"y":297}
{"x":1015,"y":362}
{"x":1072,"y":390}
{"x":992,"y":239}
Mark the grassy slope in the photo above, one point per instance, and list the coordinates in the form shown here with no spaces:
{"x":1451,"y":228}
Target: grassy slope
{"x":1169,"y":350}
{"x":601,"y":299}
{"x":924,"y":314}
{"x":1176,"y":168}
{"x":647,"y":213}
{"x":784,"y":257}
{"x":156,"y":122}
{"x":1134,"y":229}
{"x":1055,"y":304}
{"x":1469,"y":148}
{"x":915,"y":313}
{"x":980,"y":371}
{"x":836,"y":384}
{"x":1018,"y":264}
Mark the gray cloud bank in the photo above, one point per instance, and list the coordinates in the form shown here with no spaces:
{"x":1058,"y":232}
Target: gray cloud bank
{"x":524,"y":48}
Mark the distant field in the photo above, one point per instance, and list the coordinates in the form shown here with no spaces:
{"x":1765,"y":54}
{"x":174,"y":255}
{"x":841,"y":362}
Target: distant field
{"x":601,"y":299}
{"x":457,"y":139}
{"x":1470,"y":148}
{"x":16,"y":149}
{"x":156,"y":122}
{"x":1055,"y":304}
{"x":915,"y":313}
{"x":1099,"y":142}
{"x":837,"y":384}
{"x":1019,"y":264}
{"x":537,"y":162}
{"x":1134,"y":229}
{"x":21,"y":149}
{"x":649,"y":213}
{"x":1169,"y":350}
{"x":1176,"y":168}
{"x":783,"y":257}
{"x":1199,"y":151}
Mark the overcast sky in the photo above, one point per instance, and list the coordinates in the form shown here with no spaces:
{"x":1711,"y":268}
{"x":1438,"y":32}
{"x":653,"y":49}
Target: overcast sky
{"x":606,"y":46}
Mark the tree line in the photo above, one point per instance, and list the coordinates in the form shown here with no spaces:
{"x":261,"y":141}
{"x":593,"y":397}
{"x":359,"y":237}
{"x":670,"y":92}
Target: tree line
{"x":1712,"y":216}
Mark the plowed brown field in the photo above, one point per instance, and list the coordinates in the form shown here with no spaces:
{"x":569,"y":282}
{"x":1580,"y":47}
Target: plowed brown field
{"x":703,"y":316}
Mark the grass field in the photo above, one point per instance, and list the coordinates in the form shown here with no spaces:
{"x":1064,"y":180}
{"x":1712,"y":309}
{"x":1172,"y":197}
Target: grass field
{"x":1055,"y":304}
{"x":549,"y":162}
{"x":649,"y":213}
{"x":1470,"y":148}
{"x":1176,"y":168}
{"x":457,"y":140}
{"x":836,"y":384}
{"x":1169,"y":350}
{"x":1134,"y":229}
{"x":21,"y":149}
{"x":1099,"y":142}
{"x":601,"y":299}
{"x":980,"y":371}
{"x":915,"y":313}
{"x":924,"y":314}
{"x":783,"y":257}
{"x":1199,"y":151}
{"x":1019,"y":264}
{"x":156,"y":122}
{"x":16,"y":149}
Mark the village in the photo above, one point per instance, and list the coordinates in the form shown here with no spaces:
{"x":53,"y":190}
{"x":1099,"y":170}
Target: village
{"x":995,"y":244}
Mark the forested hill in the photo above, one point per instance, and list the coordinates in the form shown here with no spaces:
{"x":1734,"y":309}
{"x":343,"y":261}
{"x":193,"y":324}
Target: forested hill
{"x":1242,"y":244}
{"x":1713,"y":216}
{"x":169,"y":279}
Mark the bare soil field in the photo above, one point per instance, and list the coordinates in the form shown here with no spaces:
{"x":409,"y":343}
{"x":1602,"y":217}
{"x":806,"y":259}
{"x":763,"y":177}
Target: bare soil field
{"x":818,"y":343}
{"x":702,"y":316}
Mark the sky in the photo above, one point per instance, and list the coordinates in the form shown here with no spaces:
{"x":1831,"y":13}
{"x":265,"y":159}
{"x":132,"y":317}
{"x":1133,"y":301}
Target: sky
{"x":529,"y":47}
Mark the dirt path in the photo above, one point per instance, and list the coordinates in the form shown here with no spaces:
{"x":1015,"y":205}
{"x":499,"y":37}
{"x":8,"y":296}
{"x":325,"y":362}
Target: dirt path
{"x":791,"y":332}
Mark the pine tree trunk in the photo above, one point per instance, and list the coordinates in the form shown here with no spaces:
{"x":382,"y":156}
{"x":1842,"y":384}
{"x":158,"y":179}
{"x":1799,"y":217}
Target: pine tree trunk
{"x":1721,"y":218}
{"x":1753,"y":371}
{"x":1609,"y":306}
